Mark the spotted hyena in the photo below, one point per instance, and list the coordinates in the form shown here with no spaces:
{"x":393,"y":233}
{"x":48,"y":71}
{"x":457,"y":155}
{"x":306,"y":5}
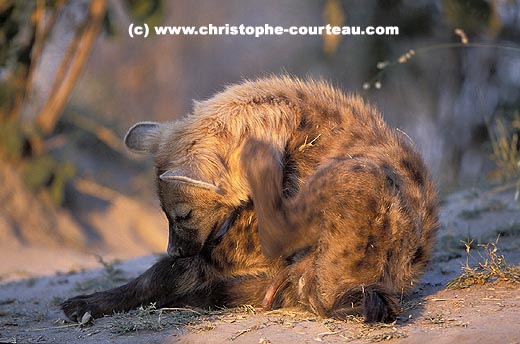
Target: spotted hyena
{"x":282,"y":192}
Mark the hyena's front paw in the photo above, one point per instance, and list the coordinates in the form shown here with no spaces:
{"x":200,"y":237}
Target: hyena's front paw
{"x":76,"y":307}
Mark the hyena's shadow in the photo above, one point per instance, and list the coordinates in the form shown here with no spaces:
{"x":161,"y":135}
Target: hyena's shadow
{"x":186,"y":319}
{"x":413,"y":304}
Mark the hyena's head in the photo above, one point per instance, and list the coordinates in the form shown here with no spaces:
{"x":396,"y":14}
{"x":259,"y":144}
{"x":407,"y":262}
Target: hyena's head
{"x":197,"y":207}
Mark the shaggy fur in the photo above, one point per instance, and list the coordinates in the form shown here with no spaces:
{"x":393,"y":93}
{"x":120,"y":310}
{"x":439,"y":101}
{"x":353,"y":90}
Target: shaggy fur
{"x":282,"y":192}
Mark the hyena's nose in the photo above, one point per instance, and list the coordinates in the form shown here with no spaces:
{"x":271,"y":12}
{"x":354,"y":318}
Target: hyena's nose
{"x":179,"y":247}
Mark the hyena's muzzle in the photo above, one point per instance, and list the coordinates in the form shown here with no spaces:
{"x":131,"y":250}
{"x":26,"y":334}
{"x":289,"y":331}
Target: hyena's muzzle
{"x":179,"y":246}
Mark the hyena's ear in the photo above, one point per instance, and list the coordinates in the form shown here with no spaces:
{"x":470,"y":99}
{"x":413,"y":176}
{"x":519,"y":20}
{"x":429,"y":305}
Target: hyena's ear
{"x":143,"y":137}
{"x":185,"y":176}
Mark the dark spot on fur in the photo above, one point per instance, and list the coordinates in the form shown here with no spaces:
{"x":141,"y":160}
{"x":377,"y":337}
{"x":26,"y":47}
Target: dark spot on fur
{"x":230,"y":245}
{"x":302,"y":208}
{"x":392,"y":178}
{"x":230,"y":261}
{"x":282,"y":97}
{"x":328,"y":113}
{"x":357,"y":168}
{"x":249,"y":247}
{"x":223,"y":161}
{"x":347,"y":145}
{"x":301,"y":96}
{"x":333,"y":228}
{"x":325,"y":246}
{"x":362,"y":264}
{"x":385,"y":226}
{"x":304,"y":124}
{"x":371,"y":243}
{"x":372,"y":141}
{"x":335,"y":115}
{"x":272,"y":100}
{"x":418,"y":257}
{"x":390,"y":181}
{"x":430,"y":235}
{"x":345,"y":253}
{"x":319,"y":179}
{"x":412,"y":167}
{"x":430,"y":209}
{"x":372,"y":206}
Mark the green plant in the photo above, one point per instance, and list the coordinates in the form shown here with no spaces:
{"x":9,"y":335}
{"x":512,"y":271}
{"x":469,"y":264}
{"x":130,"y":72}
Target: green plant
{"x":27,"y":142}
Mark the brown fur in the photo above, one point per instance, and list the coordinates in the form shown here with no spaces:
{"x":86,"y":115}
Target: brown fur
{"x":282,"y":192}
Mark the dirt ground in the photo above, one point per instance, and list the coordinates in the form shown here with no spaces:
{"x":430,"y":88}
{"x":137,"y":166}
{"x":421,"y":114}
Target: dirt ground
{"x":488,"y":313}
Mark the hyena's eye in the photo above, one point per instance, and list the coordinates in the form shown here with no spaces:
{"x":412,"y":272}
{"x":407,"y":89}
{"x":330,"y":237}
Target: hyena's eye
{"x":182,"y":211}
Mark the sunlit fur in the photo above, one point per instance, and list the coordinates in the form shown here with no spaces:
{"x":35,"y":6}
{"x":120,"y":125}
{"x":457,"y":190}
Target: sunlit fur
{"x":308,"y":200}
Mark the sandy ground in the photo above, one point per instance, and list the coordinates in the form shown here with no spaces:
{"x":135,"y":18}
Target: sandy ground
{"x":488,"y":313}
{"x":37,"y":239}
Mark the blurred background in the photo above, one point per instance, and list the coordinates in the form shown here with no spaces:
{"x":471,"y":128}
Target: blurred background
{"x":72,"y":82}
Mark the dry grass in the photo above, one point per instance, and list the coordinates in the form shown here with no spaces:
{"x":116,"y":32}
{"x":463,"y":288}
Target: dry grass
{"x":504,"y":140}
{"x":111,"y":278}
{"x":196,"y":320}
{"x":154,"y":319}
{"x":150,"y":318}
{"x":491,"y":267}
{"x":373,"y":333}
{"x":506,"y":154}
{"x":440,"y":320}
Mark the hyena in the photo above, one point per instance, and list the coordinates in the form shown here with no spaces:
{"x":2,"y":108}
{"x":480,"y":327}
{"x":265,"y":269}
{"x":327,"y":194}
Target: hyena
{"x":282,"y":192}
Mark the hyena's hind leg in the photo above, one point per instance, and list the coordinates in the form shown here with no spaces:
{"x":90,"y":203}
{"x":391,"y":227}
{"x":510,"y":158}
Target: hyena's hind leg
{"x":366,"y":228}
{"x":280,"y":232}
{"x":169,"y":282}
{"x":342,"y":211}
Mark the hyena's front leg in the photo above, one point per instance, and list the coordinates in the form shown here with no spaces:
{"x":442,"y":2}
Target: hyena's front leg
{"x":169,"y":282}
